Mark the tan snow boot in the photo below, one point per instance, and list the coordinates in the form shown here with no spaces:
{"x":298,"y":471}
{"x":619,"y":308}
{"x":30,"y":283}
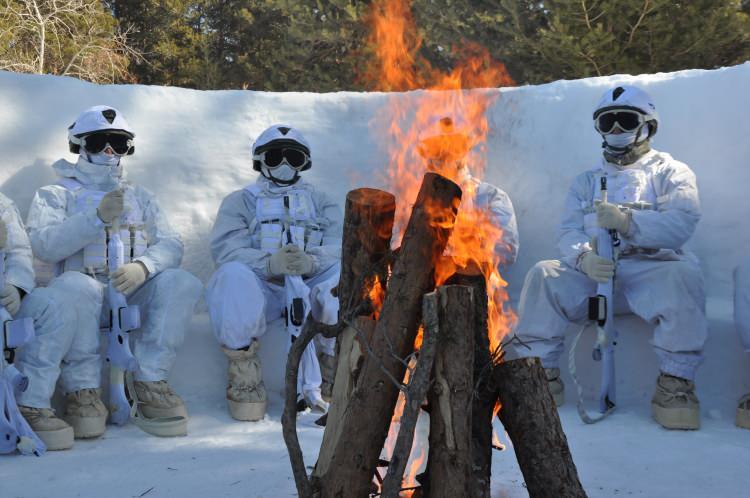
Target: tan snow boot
{"x":86,"y":413}
{"x":328,"y":373}
{"x":556,"y":386}
{"x":246,"y":394}
{"x":54,"y":432}
{"x":743,"y":412}
{"x":675,"y":405}
{"x":158,"y":400}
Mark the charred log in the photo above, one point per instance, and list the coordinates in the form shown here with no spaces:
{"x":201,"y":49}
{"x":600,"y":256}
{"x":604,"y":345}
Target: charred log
{"x":371,"y":406}
{"x":449,"y":460}
{"x":419,"y":382}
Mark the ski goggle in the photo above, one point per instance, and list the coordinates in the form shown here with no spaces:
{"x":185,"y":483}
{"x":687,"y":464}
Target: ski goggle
{"x":97,"y":142}
{"x":626,"y":120}
{"x":272,"y":158}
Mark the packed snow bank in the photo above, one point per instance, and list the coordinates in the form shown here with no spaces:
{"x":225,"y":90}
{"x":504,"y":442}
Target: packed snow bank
{"x":192,"y":149}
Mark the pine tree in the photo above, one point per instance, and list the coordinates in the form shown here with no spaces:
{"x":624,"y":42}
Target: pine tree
{"x":599,"y":37}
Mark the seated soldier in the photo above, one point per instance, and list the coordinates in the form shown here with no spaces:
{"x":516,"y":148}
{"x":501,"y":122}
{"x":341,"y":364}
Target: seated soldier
{"x":69,"y":224}
{"x":276,"y":242}
{"x":742,"y":323}
{"x":653,"y":206}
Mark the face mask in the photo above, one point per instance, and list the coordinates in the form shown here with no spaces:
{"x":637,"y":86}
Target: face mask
{"x":620,"y":140}
{"x":102,"y":175}
{"x":104,"y":159}
{"x":623,"y":140}
{"x":284,"y":173}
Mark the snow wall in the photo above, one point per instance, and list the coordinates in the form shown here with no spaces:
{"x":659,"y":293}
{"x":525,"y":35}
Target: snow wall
{"x":192,"y":149}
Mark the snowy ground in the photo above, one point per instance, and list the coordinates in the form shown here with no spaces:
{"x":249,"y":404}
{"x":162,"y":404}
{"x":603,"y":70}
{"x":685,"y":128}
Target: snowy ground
{"x":625,"y":455}
{"x":192,"y":150}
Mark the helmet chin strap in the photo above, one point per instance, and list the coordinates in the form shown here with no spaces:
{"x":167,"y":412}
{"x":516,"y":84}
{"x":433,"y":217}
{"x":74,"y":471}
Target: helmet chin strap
{"x":278,"y":182}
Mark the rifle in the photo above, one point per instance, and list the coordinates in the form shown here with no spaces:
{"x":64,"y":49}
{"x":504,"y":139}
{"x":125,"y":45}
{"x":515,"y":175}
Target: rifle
{"x":15,"y":432}
{"x":297,"y":306}
{"x":601,"y":311}
{"x":122,"y":319}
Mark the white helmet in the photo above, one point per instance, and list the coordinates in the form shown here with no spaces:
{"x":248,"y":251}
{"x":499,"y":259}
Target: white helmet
{"x":97,"y":119}
{"x":631,"y":98}
{"x":280,"y":136}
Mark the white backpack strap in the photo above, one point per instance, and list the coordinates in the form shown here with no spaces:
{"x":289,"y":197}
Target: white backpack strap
{"x":254,"y":190}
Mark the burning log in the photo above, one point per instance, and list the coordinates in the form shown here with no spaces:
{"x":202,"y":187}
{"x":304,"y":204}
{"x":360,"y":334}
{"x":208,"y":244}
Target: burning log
{"x":529,"y":415}
{"x":350,"y":361}
{"x":485,"y":393}
{"x":371,"y":406}
{"x":419,"y":382}
{"x":368,"y":225}
{"x":450,"y":461}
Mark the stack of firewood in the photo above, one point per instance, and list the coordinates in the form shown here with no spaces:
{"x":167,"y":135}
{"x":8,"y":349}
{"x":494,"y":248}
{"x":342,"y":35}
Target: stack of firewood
{"x":455,"y":372}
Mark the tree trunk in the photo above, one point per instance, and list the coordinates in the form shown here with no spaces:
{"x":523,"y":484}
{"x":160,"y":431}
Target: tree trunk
{"x":529,"y":415}
{"x":371,"y":406}
{"x":347,"y":370}
{"x":419,"y":382}
{"x":449,"y":460}
{"x":368,"y":224}
{"x":485,"y":393}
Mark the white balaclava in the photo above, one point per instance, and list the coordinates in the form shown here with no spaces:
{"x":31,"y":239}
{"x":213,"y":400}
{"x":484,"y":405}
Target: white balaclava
{"x":100,"y":170}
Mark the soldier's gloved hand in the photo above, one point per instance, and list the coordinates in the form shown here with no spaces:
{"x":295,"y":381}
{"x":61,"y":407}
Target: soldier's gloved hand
{"x":3,"y":234}
{"x":278,"y":263}
{"x":597,"y":268}
{"x":609,"y":216}
{"x":111,"y":206}
{"x":300,"y":263}
{"x":129,"y":277}
{"x":10,"y":298}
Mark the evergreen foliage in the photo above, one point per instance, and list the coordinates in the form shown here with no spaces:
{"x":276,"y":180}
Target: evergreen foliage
{"x":321,"y":45}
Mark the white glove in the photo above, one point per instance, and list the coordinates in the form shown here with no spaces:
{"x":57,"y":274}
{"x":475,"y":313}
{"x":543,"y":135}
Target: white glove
{"x":111,"y":206}
{"x":597,"y":268}
{"x":129,"y":277}
{"x":3,"y":234}
{"x":10,"y":298}
{"x":290,"y":260}
{"x":278,"y":263}
{"x":301,"y":263}
{"x":609,"y":216}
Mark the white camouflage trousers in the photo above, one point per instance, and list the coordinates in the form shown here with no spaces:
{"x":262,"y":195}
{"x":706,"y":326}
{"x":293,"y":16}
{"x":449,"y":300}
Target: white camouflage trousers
{"x":67,"y":339}
{"x":742,"y":302}
{"x":240,"y":305}
{"x":667,"y":294}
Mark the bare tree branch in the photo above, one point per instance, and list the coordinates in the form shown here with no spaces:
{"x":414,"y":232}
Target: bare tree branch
{"x":64,"y":37}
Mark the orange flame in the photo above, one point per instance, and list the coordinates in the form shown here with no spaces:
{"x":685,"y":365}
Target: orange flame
{"x":443,"y":129}
{"x":376,"y":294}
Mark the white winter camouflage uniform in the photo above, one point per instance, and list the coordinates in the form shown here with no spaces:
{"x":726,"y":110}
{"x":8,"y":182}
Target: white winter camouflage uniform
{"x":66,"y":231}
{"x":655,"y":278}
{"x":49,"y":308}
{"x":242,"y":295}
{"x":742,"y":302}
{"x":494,"y":200}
